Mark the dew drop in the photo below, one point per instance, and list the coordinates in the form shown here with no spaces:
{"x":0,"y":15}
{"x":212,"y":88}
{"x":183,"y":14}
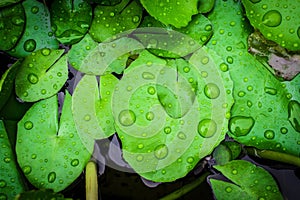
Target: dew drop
{"x":284,"y":130}
{"x":181,"y":136}
{"x":140,"y":158}
{"x":269,"y":134}
{"x":240,"y":125}
{"x":75,"y":162}
{"x":186,"y":69}
{"x":161,"y":151}
{"x":190,"y":160}
{"x":272,"y":18}
{"x":87,"y":117}
{"x":167,"y":130}
{"x":148,"y":76}
{"x":234,"y":172}
{"x":293,"y":114}
{"x":2,"y":183}
{"x":270,"y":91}
{"x":28,"y":125}
{"x":224,"y":67}
{"x":33,"y":156}
{"x":51,"y":177}
{"x":211,"y":90}
{"x":207,"y":128}
{"x":32,"y":78}
{"x":140,"y":146}
{"x":43,"y":91}
{"x":228,"y":189}
{"x":29,"y":45}
{"x":127,"y":117}
{"x":136,"y":19}
{"x":151,"y":90}
{"x":229,"y":59}
{"x":46,"y":51}
{"x":26,"y":169}
{"x":150,"y":116}
{"x":7,"y":159}
{"x":35,"y":9}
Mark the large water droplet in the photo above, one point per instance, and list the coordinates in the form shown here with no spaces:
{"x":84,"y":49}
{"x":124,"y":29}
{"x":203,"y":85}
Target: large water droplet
{"x":127,"y":117}
{"x":240,"y":125}
{"x":75,"y":162}
{"x":161,"y":151}
{"x":207,"y":128}
{"x":29,"y":45}
{"x":294,"y":114}
{"x":211,"y":90}
{"x":272,"y":18}
{"x":28,"y":125}
{"x":51,"y":177}
{"x":32,"y":78}
{"x":26,"y":169}
{"x":269,"y":134}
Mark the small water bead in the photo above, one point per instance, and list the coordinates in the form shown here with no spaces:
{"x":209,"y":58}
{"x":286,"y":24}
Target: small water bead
{"x":207,"y":128}
{"x":272,"y":18}
{"x":204,"y":74}
{"x":241,"y":93}
{"x":29,"y":45}
{"x":208,"y":27}
{"x":33,"y":156}
{"x":203,"y":38}
{"x":241,"y":125}
{"x":190,"y":160}
{"x":205,"y":60}
{"x":7,"y":159}
{"x":186,"y":69}
{"x":181,"y":136}
{"x":43,"y":91}
{"x":150,"y":116}
{"x":127,"y":117}
{"x":161,"y":151}
{"x":28,"y":125}
{"x":140,"y":158}
{"x":249,"y":88}
{"x":167,"y":130}
{"x":234,"y":172}
{"x":2,"y":183}
{"x":229,"y":59}
{"x":249,"y":104}
{"x":148,"y":76}
{"x":140,"y":146}
{"x":35,"y":9}
{"x":228,"y":189}
{"x":269,"y":134}
{"x":224,"y":67}
{"x":135,"y":19}
{"x":27,"y":169}
{"x":32,"y":78}
{"x":51,"y":177}
{"x":211,"y":90}
{"x":87,"y":117}
{"x":75,"y":162}
{"x":270,"y":91}
{"x":284,"y":130}
{"x":151,"y":90}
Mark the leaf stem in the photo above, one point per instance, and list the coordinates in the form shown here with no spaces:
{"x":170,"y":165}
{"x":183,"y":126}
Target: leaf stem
{"x":186,"y":188}
{"x":91,"y":181}
{"x":273,"y":155}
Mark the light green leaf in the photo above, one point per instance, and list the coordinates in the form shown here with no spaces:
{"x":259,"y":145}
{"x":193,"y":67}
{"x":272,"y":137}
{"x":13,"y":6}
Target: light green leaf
{"x":276,"y":20}
{"x":38,"y":33}
{"x":157,"y":145}
{"x":41,"y":75}
{"x":11,"y":182}
{"x":92,"y":110}
{"x":260,"y":98}
{"x":70,"y":20}
{"x":49,"y":152}
{"x":248,"y":182}
{"x":176,"y":13}
{"x":111,"y":20}
{"x":12,"y":23}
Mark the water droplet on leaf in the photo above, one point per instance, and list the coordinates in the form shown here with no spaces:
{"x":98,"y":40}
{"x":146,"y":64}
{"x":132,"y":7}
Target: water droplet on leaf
{"x":32,"y":78}
{"x":51,"y":177}
{"x":240,"y":125}
{"x":127,"y":117}
{"x":75,"y":162}
{"x":211,"y":90}
{"x":28,"y":125}
{"x":207,"y":128}
{"x":161,"y":151}
{"x":272,"y":18}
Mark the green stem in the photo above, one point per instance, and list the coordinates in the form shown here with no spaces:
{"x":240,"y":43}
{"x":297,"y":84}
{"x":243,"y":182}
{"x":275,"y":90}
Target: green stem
{"x":273,"y":155}
{"x":186,"y":188}
{"x":91,"y":181}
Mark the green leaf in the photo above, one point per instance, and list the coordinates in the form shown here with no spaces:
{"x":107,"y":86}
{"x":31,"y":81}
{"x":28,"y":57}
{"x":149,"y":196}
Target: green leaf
{"x":104,"y":57}
{"x":70,"y":20}
{"x":226,"y":151}
{"x":205,"y":6}
{"x":248,"y":182}
{"x":176,"y":13}
{"x":38,"y":33}
{"x":41,"y":75}
{"x":260,"y":98}
{"x":158,"y":146}
{"x":11,"y":182}
{"x":12,"y":23}
{"x":50,"y":153}
{"x":111,"y":20}
{"x":7,"y":83}
{"x":8,"y":2}
{"x":92,"y":110}
{"x":276,"y":20}
{"x":44,"y":194}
